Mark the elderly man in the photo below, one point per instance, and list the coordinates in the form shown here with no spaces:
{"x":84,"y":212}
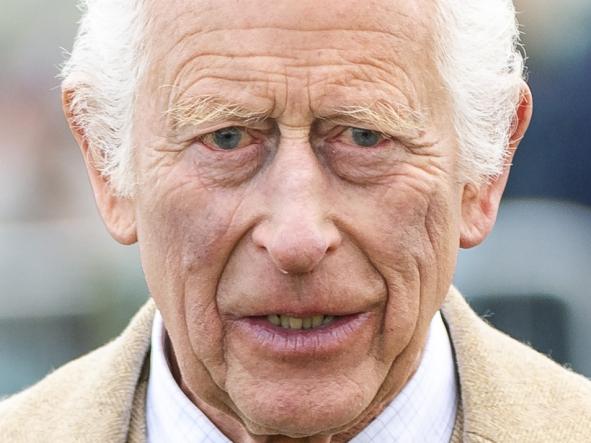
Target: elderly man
{"x":299,"y":176}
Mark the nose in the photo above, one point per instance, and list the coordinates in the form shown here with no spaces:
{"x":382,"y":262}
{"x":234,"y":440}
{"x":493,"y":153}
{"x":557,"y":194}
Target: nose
{"x":298,"y":231}
{"x":296,"y":245}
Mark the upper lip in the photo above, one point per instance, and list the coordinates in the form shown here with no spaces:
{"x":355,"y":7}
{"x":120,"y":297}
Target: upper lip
{"x":301,"y":311}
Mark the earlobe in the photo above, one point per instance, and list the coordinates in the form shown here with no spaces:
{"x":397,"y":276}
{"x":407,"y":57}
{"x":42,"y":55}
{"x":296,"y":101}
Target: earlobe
{"x":117,"y":212}
{"x":473,"y":229}
{"x":480,"y":204}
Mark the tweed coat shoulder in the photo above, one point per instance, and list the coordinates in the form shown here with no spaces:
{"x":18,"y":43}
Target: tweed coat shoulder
{"x":509,"y":393}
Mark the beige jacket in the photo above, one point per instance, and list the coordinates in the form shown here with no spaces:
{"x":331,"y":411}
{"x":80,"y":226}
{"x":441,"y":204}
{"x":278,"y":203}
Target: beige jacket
{"x":509,"y":393}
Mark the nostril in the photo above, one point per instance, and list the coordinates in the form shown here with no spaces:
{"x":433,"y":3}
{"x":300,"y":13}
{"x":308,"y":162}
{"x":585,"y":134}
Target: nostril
{"x":332,"y":247}
{"x":261,"y":235}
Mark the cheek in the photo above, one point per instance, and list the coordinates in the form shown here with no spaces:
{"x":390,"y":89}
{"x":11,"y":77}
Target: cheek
{"x":185,"y":237}
{"x":422,"y":227}
{"x":411,"y":237}
{"x":179,"y":233}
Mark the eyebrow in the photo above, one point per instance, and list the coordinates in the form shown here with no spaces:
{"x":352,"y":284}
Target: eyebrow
{"x":380,"y":115}
{"x":209,"y":109}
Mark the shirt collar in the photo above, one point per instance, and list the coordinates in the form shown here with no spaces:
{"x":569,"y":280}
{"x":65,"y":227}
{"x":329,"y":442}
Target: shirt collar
{"x":424,"y":411}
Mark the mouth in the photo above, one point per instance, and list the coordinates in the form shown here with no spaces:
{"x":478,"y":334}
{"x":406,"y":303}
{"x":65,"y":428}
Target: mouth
{"x":291,"y":336}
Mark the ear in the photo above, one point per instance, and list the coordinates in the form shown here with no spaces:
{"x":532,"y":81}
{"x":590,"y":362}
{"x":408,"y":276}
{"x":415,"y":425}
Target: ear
{"x":480,"y":205}
{"x":118,"y":213}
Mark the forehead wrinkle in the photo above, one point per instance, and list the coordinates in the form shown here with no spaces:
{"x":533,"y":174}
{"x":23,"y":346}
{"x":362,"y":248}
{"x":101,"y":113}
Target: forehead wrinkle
{"x":189,"y":75}
{"x":190,"y":33}
{"x":247,"y":87}
{"x":362,"y":84}
{"x":306,"y":36}
{"x":285,"y":47}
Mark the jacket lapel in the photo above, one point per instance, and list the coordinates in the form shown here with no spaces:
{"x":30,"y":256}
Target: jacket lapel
{"x":116,"y":389}
{"x":120,"y":383}
{"x":509,"y":392}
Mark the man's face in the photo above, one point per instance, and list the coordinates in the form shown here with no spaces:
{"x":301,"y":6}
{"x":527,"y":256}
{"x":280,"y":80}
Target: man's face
{"x":297,"y":166}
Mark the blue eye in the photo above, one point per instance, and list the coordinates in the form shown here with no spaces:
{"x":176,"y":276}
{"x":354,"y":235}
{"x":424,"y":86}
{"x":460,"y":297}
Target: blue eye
{"x":227,"y":138}
{"x":365,"y":137}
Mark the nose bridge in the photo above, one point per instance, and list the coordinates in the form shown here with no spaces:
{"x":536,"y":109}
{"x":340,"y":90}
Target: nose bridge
{"x":298,"y":232}
{"x":296,"y":175}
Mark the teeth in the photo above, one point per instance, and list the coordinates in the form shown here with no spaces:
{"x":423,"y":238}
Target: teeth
{"x":317,"y":320}
{"x":287,"y":322}
{"x":284,"y":321}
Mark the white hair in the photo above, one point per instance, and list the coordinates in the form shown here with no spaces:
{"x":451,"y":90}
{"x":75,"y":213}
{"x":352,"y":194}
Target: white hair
{"x":102,"y":75}
{"x":482,"y":66}
{"x":478,"y":56}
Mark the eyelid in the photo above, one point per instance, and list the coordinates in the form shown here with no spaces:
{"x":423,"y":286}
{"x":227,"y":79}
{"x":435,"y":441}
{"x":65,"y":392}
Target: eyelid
{"x":190,"y":133}
{"x":337,"y":128}
{"x":344,"y":129}
{"x":252,"y":136}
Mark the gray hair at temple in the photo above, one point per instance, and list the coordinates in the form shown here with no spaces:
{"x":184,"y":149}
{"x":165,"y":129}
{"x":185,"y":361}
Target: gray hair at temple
{"x":479,"y":60}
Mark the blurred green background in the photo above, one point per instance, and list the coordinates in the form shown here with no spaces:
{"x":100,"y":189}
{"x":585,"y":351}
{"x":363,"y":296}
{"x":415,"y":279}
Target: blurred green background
{"x":67,"y":287}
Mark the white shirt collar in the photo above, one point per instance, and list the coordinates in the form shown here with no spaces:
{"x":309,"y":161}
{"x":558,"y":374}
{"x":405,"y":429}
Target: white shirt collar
{"x":424,"y":411}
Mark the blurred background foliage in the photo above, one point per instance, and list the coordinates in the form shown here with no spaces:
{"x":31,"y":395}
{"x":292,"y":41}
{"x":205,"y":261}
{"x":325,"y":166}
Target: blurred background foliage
{"x":67,"y":287}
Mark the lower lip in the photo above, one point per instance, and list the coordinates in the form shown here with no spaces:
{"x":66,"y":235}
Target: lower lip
{"x":332,"y":338}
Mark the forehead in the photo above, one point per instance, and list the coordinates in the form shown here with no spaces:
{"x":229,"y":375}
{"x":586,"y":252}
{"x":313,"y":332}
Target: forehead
{"x":382,"y":15}
{"x":260,"y":48}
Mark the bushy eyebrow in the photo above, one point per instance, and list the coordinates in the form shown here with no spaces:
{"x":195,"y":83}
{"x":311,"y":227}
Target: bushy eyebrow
{"x":210,"y":109}
{"x":382,"y":116}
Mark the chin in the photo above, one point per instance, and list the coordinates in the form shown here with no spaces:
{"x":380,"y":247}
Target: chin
{"x":302,"y":411}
